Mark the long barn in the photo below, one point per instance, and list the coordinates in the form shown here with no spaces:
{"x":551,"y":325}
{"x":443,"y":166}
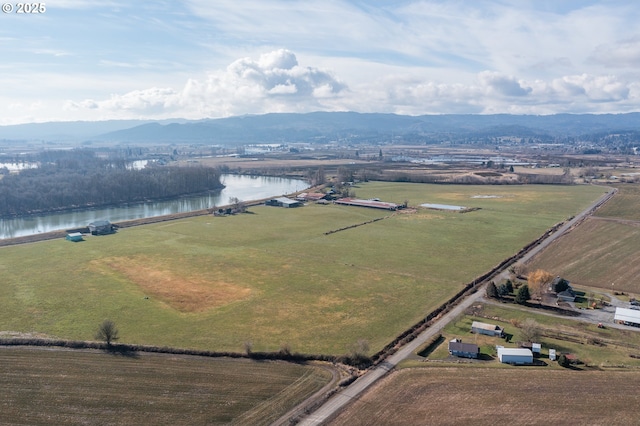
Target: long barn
{"x":627,"y":317}
{"x":367,"y":203}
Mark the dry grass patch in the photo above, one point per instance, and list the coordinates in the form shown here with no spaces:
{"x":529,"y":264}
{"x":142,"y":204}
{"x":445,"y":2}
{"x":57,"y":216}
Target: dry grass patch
{"x":185,"y":292}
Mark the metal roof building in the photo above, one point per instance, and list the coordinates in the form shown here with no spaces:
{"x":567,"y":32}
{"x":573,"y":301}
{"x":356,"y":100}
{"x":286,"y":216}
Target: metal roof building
{"x":515,"y":355}
{"x":488,"y":329}
{"x":367,"y":203}
{"x":283,"y":202}
{"x":627,"y":317}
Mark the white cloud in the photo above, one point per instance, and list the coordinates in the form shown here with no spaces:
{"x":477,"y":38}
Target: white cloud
{"x":625,"y":53}
{"x":274,"y":82}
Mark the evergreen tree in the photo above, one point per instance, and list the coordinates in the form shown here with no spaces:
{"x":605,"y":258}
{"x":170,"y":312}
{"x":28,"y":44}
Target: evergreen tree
{"x":492,"y":290}
{"x":523,"y":295}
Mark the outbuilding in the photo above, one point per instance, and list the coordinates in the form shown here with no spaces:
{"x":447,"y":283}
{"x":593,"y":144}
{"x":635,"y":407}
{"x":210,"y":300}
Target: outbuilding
{"x":283,"y":202}
{"x":517,"y":356}
{"x":627,"y":317}
{"x":74,"y":237}
{"x":488,"y":329}
{"x":101,"y":227}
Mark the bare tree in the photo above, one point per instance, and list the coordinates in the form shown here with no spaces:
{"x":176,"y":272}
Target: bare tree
{"x":107,"y":332}
{"x":530,"y":330}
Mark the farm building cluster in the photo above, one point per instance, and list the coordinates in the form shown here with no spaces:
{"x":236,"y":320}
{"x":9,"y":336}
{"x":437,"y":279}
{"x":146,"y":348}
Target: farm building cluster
{"x":99,"y":227}
{"x":525,"y":354}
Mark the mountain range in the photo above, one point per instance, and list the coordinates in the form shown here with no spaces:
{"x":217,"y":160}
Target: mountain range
{"x":324,"y":127}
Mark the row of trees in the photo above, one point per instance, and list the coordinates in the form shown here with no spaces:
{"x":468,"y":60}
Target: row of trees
{"x":71,"y":183}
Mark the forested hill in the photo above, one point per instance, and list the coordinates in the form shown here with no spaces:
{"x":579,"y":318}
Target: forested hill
{"x":374,"y":127}
{"x":329,"y":126}
{"x":69,"y":183}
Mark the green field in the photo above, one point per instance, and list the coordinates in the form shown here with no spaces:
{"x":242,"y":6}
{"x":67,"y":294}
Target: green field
{"x":45,"y":387}
{"x":272,"y":277}
{"x":625,"y":205}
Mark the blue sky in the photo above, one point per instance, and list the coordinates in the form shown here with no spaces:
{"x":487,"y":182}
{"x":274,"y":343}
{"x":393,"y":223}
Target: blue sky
{"x":111,"y":59}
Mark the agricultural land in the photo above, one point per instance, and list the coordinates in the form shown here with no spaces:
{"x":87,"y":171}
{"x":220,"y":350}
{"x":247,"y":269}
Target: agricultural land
{"x":450,"y":395}
{"x":43,"y":387}
{"x":602,"y":252}
{"x":273,"y":278}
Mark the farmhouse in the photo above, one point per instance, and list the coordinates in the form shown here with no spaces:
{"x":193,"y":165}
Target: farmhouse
{"x":367,"y":203}
{"x":463,"y":350}
{"x":567,"y":296}
{"x":283,"y":202}
{"x":627,"y":317}
{"x":515,"y":355}
{"x":74,"y":237}
{"x":101,"y":227}
{"x":488,"y":329}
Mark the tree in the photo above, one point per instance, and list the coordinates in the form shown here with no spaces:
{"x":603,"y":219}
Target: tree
{"x":523,"y":295}
{"x":107,"y":332}
{"x":530,"y":330}
{"x":237,"y":205}
{"x":538,"y":282}
{"x":509,"y":286}
{"x":492,"y":291}
{"x":503,"y":290}
{"x":563,"y":361}
{"x":560,"y":285}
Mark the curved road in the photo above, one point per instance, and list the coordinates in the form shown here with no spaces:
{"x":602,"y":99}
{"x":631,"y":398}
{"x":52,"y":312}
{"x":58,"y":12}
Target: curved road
{"x":353,"y":391}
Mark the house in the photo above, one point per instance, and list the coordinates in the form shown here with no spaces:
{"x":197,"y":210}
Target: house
{"x":627,"y":317}
{"x":488,"y":329}
{"x":517,"y":356}
{"x":283,"y":202}
{"x":74,"y":237}
{"x":463,"y":350}
{"x":101,"y":227}
{"x":567,"y":296}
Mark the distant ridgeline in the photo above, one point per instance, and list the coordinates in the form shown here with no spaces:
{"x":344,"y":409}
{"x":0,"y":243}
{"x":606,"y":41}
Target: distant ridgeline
{"x":77,"y":179}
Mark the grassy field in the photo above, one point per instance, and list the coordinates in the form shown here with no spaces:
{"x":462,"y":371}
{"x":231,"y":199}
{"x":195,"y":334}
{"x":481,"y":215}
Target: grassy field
{"x":602,"y":252}
{"x":595,"y":347}
{"x":625,"y":205}
{"x":272,"y":277}
{"x":484,"y":396}
{"x":71,"y":387}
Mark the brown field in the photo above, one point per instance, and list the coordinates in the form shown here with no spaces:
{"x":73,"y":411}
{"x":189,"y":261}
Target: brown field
{"x":604,"y":250}
{"x":61,"y":387}
{"x":512,"y":396}
{"x":183,"y":291}
{"x":274,"y":163}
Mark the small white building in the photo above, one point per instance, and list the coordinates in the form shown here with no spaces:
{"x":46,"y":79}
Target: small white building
{"x":515,"y":355}
{"x":488,"y":329}
{"x":627,"y":317}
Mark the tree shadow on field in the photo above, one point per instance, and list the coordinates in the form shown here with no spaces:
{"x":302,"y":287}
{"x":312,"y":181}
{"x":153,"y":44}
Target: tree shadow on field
{"x":122,"y":350}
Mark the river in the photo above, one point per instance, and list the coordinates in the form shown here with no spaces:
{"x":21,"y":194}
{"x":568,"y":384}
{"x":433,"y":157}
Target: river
{"x":245,"y":188}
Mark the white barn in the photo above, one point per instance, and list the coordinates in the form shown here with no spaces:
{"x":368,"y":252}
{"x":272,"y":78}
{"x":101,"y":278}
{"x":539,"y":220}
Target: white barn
{"x":488,"y":329}
{"x":515,"y":355}
{"x":627,"y":317}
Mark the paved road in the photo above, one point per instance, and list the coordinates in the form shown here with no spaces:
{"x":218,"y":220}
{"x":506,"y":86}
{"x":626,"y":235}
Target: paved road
{"x":358,"y":387}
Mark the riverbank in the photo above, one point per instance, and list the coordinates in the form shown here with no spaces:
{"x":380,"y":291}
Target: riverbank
{"x":134,"y":222}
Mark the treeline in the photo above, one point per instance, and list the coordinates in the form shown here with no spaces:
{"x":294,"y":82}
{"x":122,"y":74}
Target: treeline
{"x":84,"y":181}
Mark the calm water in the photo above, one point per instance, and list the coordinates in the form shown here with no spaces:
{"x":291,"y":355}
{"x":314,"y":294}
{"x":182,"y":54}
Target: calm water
{"x":246,"y":188}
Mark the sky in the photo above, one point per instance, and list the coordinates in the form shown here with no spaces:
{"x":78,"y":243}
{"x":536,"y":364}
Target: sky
{"x":195,"y":59}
